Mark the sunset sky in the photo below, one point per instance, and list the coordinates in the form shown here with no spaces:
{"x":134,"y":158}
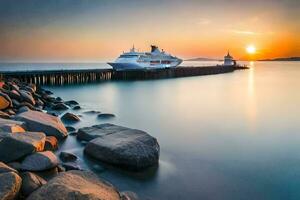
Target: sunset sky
{"x":96,"y":30}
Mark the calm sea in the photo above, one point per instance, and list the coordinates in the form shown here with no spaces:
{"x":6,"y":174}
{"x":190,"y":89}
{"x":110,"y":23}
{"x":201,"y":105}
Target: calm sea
{"x":227,"y":136}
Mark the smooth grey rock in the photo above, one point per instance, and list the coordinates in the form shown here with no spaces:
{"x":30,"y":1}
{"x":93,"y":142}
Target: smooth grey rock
{"x":39,"y":161}
{"x":30,"y":183}
{"x":23,"y":109}
{"x":10,"y":184}
{"x":67,"y":157}
{"x":71,"y":166}
{"x":70,"y":128}
{"x":76,"y":185}
{"x":92,"y":112}
{"x":128,"y":148}
{"x":92,"y":132}
{"x":38,"y":121}
{"x":14,"y":146}
{"x":76,"y":107}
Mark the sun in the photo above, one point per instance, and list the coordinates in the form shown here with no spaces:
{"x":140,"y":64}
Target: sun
{"x":250,"y":49}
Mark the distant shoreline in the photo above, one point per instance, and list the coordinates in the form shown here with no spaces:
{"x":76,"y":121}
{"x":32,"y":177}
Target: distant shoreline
{"x":282,"y":59}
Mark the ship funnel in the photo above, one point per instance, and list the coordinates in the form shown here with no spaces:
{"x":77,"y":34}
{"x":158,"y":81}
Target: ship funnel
{"x":153,"y":48}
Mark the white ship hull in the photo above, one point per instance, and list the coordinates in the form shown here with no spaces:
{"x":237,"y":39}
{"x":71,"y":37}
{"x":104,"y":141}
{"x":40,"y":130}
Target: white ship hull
{"x":118,"y":66}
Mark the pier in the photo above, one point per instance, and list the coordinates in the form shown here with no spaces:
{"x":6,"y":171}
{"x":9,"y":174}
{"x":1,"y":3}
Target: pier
{"x":62,"y":77}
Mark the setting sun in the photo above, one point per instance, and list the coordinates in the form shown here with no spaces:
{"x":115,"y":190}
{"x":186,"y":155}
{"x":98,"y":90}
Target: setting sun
{"x":251,"y":49}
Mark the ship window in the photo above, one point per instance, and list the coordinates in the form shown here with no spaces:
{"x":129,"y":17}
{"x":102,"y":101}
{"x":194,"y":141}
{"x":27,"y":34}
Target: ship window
{"x":128,"y":56}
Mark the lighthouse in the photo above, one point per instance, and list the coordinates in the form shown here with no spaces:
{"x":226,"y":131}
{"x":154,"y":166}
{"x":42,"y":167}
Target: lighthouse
{"x":228,"y":60}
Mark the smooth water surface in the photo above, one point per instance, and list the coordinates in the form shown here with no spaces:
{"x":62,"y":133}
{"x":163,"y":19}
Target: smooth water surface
{"x":227,"y":136}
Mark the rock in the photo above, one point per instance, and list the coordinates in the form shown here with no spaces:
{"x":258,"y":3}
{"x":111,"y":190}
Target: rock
{"x":5,"y":101}
{"x":30,"y":183}
{"x":39,"y":161}
{"x":15,"y":103}
{"x":23,"y":109}
{"x":71,"y":166}
{"x":48,"y":92}
{"x":89,"y":133}
{"x":14,"y":94}
{"x":5,"y":168}
{"x":105,"y":115}
{"x":15,"y":165}
{"x":92,"y":112}
{"x":76,"y":185}
{"x":70,"y":128}
{"x":130,"y":148}
{"x":48,"y":174}
{"x":10,"y":111}
{"x":128,"y":195}
{"x":60,"y":106}
{"x":70,"y":117}
{"x":76,"y":107}
{"x":11,"y":126}
{"x":71,"y":103}
{"x":10,"y":184}
{"x":38,"y":121}
{"x":14,"y":146}
{"x":51,"y":143}
{"x":27,"y":97}
{"x":31,"y":107}
{"x":67,"y":157}
{"x":58,"y":99}
{"x":4,"y":115}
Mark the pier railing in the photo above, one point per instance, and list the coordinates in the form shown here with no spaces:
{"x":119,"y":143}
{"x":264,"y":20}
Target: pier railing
{"x":61,"y":77}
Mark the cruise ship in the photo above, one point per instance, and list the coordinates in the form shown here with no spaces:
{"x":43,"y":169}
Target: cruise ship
{"x":155,"y":59}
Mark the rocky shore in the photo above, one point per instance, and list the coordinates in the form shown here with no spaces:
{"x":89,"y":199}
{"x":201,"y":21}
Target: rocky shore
{"x":31,"y":130}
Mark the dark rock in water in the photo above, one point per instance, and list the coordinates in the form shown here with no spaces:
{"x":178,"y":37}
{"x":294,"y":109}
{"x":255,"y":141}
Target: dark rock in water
{"x":10,"y":184}
{"x":30,"y":183}
{"x":67,"y":157}
{"x":76,"y":185}
{"x":92,"y":132}
{"x":52,"y":113}
{"x":39,"y":161}
{"x":48,"y":92}
{"x":11,"y":126}
{"x":70,"y":117}
{"x":5,"y":168}
{"x":71,"y":103}
{"x":92,"y":112}
{"x":105,"y":115}
{"x":58,"y":99}
{"x":60,"y":106}
{"x":14,"y":146}
{"x":129,"y":148}
{"x":51,"y":143}
{"x":71,"y":166}
{"x":27,"y":104}
{"x":76,"y":107}
{"x":70,"y":128}
{"x":73,"y":133}
{"x":39,"y":102}
{"x":38,"y":121}
{"x":5,"y":101}
{"x":23,"y":109}
{"x":26,"y":96}
{"x":128,"y":195}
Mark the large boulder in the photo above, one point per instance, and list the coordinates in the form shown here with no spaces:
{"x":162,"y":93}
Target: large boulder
{"x":129,"y":148}
{"x":76,"y":185}
{"x":10,"y":184}
{"x":60,"y":106}
{"x":40,"y":161}
{"x":39,"y":121}
{"x":14,"y":146}
{"x":11,"y":126}
{"x":5,"y":101}
{"x":92,"y":132}
{"x":30,"y":183}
